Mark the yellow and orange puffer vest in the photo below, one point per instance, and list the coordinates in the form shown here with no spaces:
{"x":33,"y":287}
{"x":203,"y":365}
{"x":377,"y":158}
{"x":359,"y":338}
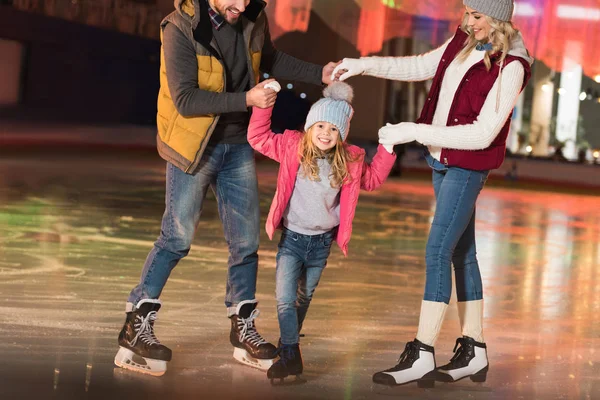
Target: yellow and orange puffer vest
{"x":182,"y":140}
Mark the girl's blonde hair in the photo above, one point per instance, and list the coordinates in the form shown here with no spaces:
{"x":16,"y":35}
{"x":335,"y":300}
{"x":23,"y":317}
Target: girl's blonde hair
{"x":339,"y":157}
{"x":501,"y":35}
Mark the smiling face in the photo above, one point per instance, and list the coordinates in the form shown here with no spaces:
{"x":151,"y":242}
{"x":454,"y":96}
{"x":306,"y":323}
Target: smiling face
{"x":478,"y":24}
{"x":324,"y":135}
{"x":229,"y":9}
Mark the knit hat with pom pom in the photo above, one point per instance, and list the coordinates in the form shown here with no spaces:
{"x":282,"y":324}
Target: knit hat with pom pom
{"x":334,"y":108}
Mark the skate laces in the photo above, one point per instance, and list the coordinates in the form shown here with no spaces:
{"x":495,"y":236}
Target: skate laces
{"x":410,"y":352}
{"x":458,"y":354}
{"x":145,"y":329}
{"x":248,"y":330}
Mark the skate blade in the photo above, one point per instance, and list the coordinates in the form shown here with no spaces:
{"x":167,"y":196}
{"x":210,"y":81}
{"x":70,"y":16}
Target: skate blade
{"x":243,"y":357}
{"x":127,"y":359}
{"x":288,"y":381}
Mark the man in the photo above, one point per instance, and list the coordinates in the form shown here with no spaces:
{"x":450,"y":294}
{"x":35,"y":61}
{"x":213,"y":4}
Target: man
{"x":212,"y":51}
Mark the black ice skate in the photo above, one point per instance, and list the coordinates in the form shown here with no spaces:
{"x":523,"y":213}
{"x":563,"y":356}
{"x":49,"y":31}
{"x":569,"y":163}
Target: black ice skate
{"x":289,"y":363}
{"x":470,"y":360}
{"x":249,"y":347}
{"x":416,"y":364}
{"x":140,"y":350}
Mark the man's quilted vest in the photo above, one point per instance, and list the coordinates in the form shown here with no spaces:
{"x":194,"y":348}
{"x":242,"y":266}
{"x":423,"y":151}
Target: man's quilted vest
{"x":182,"y":140}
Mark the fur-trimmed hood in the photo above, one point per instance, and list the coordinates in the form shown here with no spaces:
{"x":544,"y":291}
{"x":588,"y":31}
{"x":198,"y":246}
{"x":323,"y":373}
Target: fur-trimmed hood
{"x":518,"y":49}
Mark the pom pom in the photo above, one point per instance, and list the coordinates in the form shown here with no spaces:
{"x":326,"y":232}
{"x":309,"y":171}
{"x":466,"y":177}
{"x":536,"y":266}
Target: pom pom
{"x":339,"y":91}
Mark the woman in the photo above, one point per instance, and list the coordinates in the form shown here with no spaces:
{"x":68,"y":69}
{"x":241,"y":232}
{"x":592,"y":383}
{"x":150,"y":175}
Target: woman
{"x":477,"y":77}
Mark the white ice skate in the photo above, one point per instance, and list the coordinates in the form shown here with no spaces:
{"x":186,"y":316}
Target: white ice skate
{"x":469,"y":360}
{"x":416,"y":364}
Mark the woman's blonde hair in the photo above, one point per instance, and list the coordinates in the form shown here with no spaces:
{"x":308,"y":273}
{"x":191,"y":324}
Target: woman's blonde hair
{"x":502,"y":33}
{"x":339,"y":157}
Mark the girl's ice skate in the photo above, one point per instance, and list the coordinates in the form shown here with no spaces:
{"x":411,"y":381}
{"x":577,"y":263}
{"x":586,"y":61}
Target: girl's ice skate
{"x":289,"y":363}
{"x":249,"y":347}
{"x":140,"y":350}
{"x":470,"y":360}
{"x":416,"y":364}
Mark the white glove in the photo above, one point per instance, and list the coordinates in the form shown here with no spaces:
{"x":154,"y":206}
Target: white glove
{"x":404,"y":132}
{"x":354,"y":66}
{"x":389,"y":148}
{"x":275,"y":86}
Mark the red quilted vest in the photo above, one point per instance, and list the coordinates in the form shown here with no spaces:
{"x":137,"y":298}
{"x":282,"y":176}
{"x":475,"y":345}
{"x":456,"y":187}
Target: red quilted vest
{"x":467,"y":103}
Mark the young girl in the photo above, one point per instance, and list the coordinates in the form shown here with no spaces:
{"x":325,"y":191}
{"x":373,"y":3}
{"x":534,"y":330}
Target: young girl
{"x":318,"y":184}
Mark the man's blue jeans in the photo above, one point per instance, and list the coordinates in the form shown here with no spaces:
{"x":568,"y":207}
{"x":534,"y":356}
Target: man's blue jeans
{"x":230,"y":171}
{"x":452,"y":234}
{"x":300,"y":263}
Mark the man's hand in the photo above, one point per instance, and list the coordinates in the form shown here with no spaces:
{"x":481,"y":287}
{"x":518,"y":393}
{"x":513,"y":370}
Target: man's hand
{"x":404,"y":132}
{"x":328,"y":72}
{"x":347,"y":68}
{"x":260,"y":97}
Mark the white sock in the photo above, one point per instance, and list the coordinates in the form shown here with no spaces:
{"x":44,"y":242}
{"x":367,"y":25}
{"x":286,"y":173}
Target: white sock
{"x":430,"y":321}
{"x":470,"y":314}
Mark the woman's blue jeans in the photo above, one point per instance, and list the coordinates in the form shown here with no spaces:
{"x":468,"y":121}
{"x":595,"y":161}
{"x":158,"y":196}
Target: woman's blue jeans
{"x":452,"y":235}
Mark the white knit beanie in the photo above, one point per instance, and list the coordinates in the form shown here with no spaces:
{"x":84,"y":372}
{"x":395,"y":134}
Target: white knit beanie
{"x":334,"y":108}
{"x":500,"y":9}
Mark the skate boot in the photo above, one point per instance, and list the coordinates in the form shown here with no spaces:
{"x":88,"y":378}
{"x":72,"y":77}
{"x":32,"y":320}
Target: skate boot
{"x":416,"y":364}
{"x":289,"y":363}
{"x":139,"y":349}
{"x":249,"y":347}
{"x":470,"y":360}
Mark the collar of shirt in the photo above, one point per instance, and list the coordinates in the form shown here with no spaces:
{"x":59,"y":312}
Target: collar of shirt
{"x":484,"y":47}
{"x":216,"y":19}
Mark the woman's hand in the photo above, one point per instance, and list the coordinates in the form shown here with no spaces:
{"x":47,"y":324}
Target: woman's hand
{"x":404,"y":132}
{"x":349,"y":67}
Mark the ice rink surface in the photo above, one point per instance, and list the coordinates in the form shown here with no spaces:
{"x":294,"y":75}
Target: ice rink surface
{"x":76,"y":226}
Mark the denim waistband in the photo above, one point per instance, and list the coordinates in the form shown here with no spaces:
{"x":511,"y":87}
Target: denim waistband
{"x":433,"y":163}
{"x":326,"y":235}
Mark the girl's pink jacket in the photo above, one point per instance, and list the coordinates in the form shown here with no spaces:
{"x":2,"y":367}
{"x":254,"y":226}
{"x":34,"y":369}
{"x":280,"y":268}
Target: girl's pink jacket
{"x":283,"y":148}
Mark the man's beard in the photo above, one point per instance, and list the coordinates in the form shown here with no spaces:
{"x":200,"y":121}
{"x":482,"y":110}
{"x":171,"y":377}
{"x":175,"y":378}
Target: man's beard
{"x":223,"y":13}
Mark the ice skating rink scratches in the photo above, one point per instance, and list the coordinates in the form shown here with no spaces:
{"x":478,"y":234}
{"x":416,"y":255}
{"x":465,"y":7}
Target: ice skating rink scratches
{"x":74,"y":236}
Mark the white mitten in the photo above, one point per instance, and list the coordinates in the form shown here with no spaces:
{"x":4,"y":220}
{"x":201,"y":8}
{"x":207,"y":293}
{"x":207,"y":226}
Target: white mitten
{"x":354,"y":66}
{"x":274,"y":85}
{"x":391,"y":135}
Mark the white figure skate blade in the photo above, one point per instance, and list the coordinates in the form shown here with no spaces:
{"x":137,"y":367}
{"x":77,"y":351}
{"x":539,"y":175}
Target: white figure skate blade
{"x":127,"y":359}
{"x":242,"y":356}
